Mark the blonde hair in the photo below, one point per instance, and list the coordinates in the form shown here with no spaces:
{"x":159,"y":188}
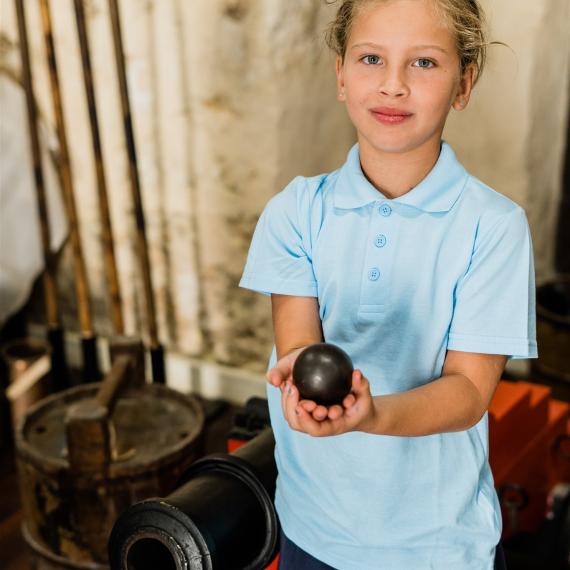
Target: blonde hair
{"x":465,"y":19}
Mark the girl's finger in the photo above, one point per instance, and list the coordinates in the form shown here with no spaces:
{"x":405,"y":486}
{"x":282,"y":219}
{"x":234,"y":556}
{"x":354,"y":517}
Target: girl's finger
{"x":308,"y":405}
{"x":356,"y":378}
{"x":289,"y":417}
{"x":283,"y":389}
{"x":291,"y":401}
{"x":360,"y":384}
{"x":276,"y":376}
{"x":335,"y":412}
{"x":320,"y":413}
{"x":282,"y":370}
{"x":306,"y":422}
{"x":349,"y":401}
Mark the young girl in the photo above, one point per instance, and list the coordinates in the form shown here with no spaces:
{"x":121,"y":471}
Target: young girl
{"x":424,"y":276}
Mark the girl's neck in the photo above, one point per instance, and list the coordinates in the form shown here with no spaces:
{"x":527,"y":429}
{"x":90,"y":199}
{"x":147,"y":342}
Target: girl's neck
{"x":395,"y":174}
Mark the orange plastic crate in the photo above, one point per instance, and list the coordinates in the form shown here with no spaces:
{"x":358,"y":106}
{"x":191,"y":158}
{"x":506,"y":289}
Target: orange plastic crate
{"x":517,"y":413}
{"x":524,"y":424}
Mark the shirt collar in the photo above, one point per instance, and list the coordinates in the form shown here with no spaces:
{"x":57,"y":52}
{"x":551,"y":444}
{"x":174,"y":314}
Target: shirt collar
{"x":437,"y":192}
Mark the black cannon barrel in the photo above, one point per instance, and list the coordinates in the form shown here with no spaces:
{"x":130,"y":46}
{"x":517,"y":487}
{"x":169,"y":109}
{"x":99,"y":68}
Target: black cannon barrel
{"x":221,"y":517}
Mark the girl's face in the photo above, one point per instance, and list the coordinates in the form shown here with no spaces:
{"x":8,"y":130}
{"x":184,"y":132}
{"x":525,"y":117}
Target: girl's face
{"x":401,"y":76}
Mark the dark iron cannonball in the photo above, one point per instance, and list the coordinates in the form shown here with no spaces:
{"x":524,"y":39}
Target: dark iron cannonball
{"x":323,"y":373}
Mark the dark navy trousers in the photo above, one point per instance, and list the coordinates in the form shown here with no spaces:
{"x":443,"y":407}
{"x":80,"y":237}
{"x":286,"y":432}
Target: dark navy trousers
{"x":293,"y":558}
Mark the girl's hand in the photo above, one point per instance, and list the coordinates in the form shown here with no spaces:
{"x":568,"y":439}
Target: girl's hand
{"x":282,"y":372}
{"x":357,"y":412}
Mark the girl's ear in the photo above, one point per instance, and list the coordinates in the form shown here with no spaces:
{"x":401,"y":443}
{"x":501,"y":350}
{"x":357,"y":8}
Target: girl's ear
{"x":340,"y":78}
{"x":465,"y":87}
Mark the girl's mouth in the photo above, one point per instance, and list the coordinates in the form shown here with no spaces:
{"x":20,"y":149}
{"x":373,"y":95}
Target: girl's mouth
{"x":390,"y":116}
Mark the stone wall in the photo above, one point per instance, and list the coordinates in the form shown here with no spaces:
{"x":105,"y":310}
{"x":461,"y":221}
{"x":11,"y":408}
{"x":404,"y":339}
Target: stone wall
{"x":231,"y":99}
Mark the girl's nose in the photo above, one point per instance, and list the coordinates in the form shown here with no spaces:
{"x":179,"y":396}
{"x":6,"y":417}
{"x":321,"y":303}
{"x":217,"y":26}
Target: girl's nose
{"x":393,"y":84}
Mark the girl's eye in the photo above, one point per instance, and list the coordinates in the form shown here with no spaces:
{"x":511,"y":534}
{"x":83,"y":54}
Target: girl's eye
{"x":424,"y":63}
{"x":371,"y":60}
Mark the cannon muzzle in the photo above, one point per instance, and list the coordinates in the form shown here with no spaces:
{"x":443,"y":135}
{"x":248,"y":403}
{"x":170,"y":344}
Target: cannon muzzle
{"x":221,"y":517}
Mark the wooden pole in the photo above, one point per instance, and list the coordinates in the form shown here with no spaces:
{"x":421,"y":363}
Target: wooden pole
{"x":88,"y":341}
{"x":108,"y":242}
{"x":60,"y":378}
{"x":156,"y":350}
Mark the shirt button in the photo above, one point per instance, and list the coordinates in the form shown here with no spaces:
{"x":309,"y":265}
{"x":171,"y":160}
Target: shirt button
{"x":380,"y":240}
{"x":385,"y":210}
{"x":374,"y":274}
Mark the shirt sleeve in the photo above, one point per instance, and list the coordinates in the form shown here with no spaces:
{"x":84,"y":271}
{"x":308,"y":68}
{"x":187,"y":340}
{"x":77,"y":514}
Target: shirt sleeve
{"x":494,"y":311}
{"x":279,"y":259}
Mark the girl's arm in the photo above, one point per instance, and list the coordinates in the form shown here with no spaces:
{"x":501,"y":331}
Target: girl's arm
{"x":296,"y":324}
{"x":454,"y":402}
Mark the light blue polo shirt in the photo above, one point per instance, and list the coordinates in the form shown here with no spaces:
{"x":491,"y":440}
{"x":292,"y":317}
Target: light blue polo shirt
{"x":449,"y":265}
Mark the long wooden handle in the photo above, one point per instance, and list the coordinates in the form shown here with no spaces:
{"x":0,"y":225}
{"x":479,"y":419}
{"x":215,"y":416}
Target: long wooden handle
{"x":55,"y":331}
{"x":80,"y":272}
{"x":90,"y":434}
{"x":142,"y":244}
{"x":107,"y":231}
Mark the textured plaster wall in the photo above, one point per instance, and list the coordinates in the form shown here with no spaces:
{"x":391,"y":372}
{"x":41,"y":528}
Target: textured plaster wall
{"x":512,"y":135}
{"x":231,"y":99}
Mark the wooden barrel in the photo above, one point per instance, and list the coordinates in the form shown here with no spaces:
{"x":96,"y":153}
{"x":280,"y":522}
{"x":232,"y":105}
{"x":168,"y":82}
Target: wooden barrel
{"x":71,"y":499}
